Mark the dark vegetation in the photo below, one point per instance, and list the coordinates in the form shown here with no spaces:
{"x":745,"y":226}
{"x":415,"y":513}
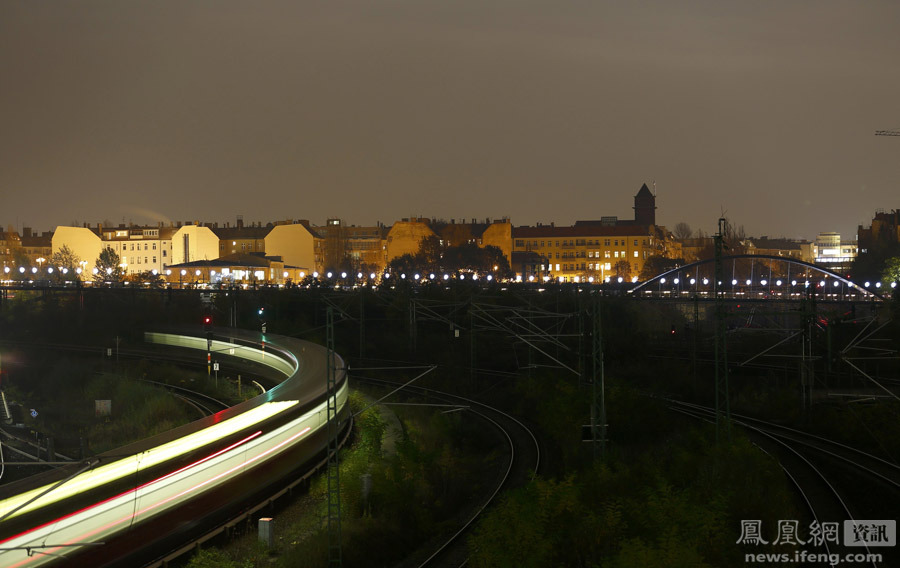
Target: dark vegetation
{"x":664,"y":494}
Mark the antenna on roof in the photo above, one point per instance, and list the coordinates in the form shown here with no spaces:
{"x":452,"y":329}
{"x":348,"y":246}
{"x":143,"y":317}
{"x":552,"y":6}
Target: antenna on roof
{"x":654,"y":187}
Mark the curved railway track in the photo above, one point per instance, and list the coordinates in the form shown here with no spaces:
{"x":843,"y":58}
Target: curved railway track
{"x":835,"y":481}
{"x":523,"y":462}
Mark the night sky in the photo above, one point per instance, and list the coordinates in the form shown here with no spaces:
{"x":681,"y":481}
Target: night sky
{"x":371,"y":111}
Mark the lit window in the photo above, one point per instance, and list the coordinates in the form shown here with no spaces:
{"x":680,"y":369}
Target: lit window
{"x":617,"y":254}
{"x":635,"y":254}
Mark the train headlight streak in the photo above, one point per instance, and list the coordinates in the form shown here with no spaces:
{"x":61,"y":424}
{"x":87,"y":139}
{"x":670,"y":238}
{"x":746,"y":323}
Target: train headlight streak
{"x":109,"y":503}
{"x":129,"y":466}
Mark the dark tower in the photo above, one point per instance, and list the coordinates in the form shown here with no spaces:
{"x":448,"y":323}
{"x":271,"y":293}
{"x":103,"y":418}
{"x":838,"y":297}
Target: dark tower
{"x":644,"y":207}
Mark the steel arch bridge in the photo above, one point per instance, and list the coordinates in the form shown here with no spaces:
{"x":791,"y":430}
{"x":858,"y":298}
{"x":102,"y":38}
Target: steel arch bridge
{"x":757,"y":276}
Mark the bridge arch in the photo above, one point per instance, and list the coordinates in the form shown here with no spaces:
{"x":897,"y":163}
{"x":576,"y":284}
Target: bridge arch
{"x":759,"y":275}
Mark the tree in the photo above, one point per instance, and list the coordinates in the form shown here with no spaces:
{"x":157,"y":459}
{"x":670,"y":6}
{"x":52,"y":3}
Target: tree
{"x":683,"y":231}
{"x":108,"y":269}
{"x":891,"y":272}
{"x":20,"y":260}
{"x":66,"y":259}
{"x":622,"y":269}
{"x":657,"y":264}
{"x":430,"y":253}
{"x":404,"y":264}
{"x":147,"y":277}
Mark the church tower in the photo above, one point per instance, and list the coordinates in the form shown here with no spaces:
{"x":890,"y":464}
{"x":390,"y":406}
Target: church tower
{"x":644,"y":207}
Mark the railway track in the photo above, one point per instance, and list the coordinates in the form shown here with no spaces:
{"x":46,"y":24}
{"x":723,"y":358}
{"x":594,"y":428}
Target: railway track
{"x":522,"y":463}
{"x":835,"y":481}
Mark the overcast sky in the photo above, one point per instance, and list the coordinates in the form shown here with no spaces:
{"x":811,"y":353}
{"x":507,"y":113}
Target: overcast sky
{"x":150,"y":111}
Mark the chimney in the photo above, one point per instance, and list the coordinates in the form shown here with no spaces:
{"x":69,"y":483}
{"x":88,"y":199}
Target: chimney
{"x":240,"y":222}
{"x":26,"y":232}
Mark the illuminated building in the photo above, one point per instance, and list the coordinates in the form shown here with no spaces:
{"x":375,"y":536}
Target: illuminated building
{"x":194,"y":242}
{"x":833,"y":253}
{"x":140,"y":249}
{"x":236,"y":270}
{"x":36,"y":246}
{"x":10,"y":245}
{"x":240,"y":238}
{"x":406,"y":236}
{"x":297,"y":244}
{"x":884,"y":231}
{"x":353,"y":247}
{"x":610,"y":247}
{"x":84,"y":242}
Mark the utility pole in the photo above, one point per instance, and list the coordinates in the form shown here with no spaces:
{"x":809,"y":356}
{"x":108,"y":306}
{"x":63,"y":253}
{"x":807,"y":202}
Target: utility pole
{"x":362,"y":322}
{"x":598,"y":385}
{"x":696,"y":336}
{"x":412,"y":325}
{"x":472,"y":354}
{"x":723,"y":412}
{"x":807,"y":369}
{"x":333,"y":467}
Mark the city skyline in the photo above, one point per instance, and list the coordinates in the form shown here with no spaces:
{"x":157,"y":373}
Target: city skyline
{"x":161,"y":111}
